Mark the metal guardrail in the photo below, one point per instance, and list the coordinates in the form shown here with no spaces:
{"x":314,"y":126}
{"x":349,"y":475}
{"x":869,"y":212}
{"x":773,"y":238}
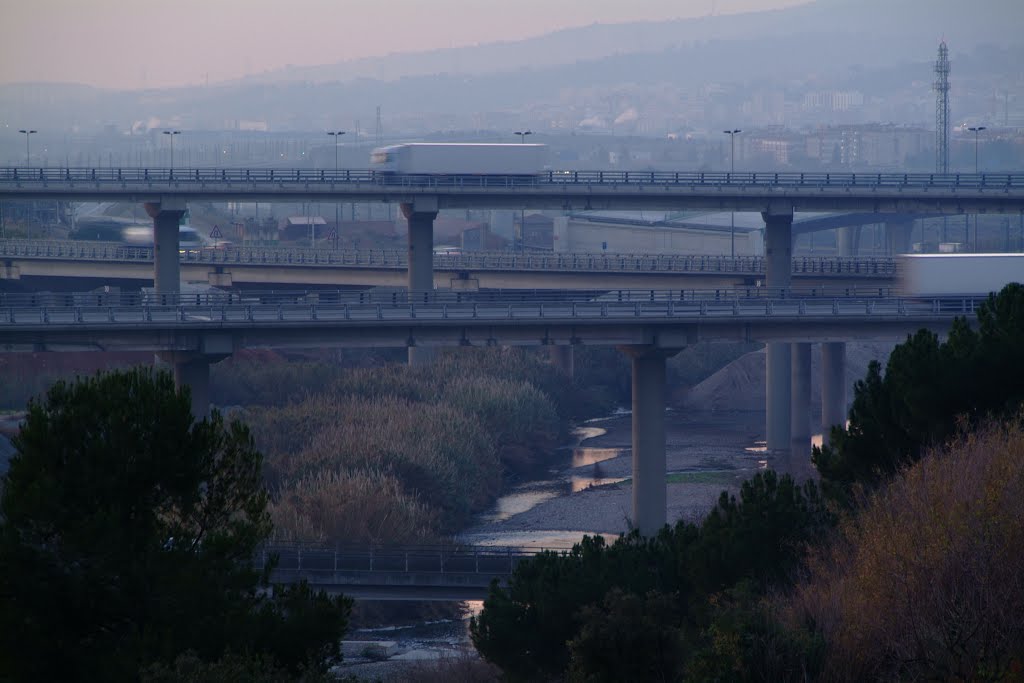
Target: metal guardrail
{"x":467,"y":261}
{"x":402,"y":297}
{"x":310,"y":560}
{"x":546,"y":178}
{"x":647,"y":305}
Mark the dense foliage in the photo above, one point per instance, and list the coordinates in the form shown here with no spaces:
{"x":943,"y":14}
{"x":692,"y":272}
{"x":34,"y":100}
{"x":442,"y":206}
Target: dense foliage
{"x":921,"y":580}
{"x":927,"y":387}
{"x":927,"y":581}
{"x":127,"y":537}
{"x":400,"y":454}
{"x":562,"y":610}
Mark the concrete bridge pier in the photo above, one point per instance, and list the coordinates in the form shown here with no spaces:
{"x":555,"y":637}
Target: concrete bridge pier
{"x":562,"y":357}
{"x":898,"y":234}
{"x":648,"y":432}
{"x":800,"y":411}
{"x":848,"y":240}
{"x":420,"y":216}
{"x":194,"y":373}
{"x":166,"y":217}
{"x":778,"y":245}
{"x":833,"y":387}
{"x":192,"y":370}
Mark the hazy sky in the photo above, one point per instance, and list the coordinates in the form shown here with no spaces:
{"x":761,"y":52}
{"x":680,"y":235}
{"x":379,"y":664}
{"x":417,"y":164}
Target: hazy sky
{"x":157,"y":43}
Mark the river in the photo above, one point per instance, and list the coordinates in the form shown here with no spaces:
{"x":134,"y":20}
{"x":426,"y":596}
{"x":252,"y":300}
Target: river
{"x":585,"y":490}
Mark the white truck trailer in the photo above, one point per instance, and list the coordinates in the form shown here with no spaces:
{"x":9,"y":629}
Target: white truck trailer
{"x":460,"y":159}
{"x":954,"y":274}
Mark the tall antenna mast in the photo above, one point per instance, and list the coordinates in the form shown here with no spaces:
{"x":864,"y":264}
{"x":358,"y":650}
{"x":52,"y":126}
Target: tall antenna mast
{"x":942,"y":110}
{"x":379,"y":132}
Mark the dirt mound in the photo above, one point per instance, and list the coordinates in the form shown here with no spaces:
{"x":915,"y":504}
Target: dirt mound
{"x":740,"y":385}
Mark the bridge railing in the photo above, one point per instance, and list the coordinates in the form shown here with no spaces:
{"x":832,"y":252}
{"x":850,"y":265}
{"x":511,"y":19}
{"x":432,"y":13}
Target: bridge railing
{"x":465,"y":309}
{"x":404,"y":298}
{"x":466,"y":261}
{"x":284,"y":176}
{"x":420,"y":559}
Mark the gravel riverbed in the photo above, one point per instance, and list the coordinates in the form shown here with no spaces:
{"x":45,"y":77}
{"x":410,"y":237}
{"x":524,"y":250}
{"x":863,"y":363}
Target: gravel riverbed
{"x":706,"y":453}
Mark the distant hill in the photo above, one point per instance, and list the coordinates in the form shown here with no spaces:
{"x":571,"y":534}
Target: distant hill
{"x":872,"y":45}
{"x":871,"y":32}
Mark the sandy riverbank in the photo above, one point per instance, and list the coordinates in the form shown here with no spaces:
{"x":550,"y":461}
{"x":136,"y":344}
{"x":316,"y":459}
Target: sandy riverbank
{"x":706,"y":453}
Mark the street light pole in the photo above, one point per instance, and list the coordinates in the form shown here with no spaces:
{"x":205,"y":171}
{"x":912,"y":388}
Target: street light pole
{"x":522,"y":212}
{"x":976,"y":130}
{"x":28,"y":156}
{"x":172,"y":133}
{"x":732,"y":169}
{"x":336,"y":134}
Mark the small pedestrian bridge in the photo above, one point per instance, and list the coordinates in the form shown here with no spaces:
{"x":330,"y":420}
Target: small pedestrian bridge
{"x":405,"y":572}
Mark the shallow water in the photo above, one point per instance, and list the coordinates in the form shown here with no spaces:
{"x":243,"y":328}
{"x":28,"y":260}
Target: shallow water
{"x":694,"y":444}
{"x":573,"y":469}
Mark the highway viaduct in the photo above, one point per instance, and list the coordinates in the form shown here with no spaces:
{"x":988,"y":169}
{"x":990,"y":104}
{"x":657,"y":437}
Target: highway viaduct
{"x":777,"y":196}
{"x":650,"y":326}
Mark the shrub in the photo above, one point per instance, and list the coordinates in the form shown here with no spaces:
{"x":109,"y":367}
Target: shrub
{"x":359,"y":506}
{"x":927,"y":385}
{"x":554,"y":599}
{"x":928,"y":580}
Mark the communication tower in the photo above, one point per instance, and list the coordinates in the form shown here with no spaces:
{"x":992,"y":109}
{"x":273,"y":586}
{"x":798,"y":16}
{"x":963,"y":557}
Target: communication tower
{"x":942,"y":110}
{"x":379,"y":131}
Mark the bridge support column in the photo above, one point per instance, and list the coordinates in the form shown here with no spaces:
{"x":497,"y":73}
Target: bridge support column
{"x":562,"y":358}
{"x":192,"y":370}
{"x":833,"y":387}
{"x":166,"y":265}
{"x":848,"y":240}
{"x":649,"y":487}
{"x":898,"y":233}
{"x":800,"y":411}
{"x":421,"y":261}
{"x":778,"y":248}
{"x":194,"y":373}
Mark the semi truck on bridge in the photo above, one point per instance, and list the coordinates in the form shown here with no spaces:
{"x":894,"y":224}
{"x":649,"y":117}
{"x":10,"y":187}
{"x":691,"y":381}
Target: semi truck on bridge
{"x":460,"y":159}
{"x":930,"y":275}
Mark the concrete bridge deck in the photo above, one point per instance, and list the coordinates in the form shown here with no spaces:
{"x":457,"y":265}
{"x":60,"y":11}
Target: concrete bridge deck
{"x":55,"y":260}
{"x":563,"y":190}
{"x":658,"y":318}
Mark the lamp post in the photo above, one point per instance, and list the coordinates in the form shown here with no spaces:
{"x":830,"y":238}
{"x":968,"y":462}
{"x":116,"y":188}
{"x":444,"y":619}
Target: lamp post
{"x":976,"y":130}
{"x":522,"y":212}
{"x":28,"y":156}
{"x":732,"y":169}
{"x":172,"y":133}
{"x":336,"y":134}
